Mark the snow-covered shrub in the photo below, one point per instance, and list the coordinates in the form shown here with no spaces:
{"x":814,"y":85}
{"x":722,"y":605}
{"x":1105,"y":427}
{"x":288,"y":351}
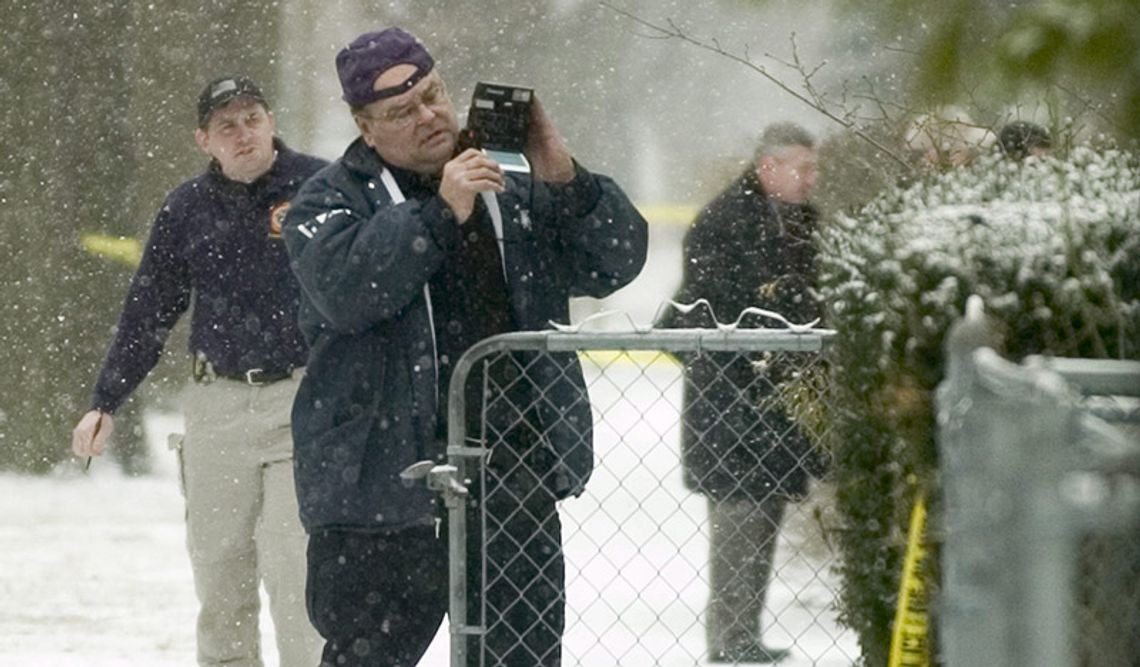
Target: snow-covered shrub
{"x":1053,"y":247}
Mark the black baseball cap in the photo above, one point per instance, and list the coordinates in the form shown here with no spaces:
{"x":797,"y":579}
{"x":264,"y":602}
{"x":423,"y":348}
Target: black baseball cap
{"x":221,"y":91}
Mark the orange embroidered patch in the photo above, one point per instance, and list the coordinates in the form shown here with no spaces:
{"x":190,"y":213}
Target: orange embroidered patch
{"x":277,"y":219}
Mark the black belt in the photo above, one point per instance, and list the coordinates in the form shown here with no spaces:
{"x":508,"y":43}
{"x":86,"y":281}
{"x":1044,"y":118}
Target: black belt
{"x":257,"y":376}
{"x":205,"y":372}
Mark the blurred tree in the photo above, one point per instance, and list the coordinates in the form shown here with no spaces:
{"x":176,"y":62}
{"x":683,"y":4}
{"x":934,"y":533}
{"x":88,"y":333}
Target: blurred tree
{"x":97,"y":127}
{"x":66,"y":149}
{"x":1002,"y":49}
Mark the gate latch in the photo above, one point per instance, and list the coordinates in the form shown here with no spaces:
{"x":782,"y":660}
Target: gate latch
{"x":442,"y":478}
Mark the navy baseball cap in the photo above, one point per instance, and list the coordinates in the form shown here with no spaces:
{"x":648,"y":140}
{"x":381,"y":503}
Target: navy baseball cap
{"x":370,"y":54}
{"x":221,"y":91}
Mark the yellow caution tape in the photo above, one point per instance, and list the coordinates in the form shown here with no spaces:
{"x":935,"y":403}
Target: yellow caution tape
{"x":668,"y":214}
{"x":116,"y":248}
{"x":909,"y":645}
{"x":641,"y":358}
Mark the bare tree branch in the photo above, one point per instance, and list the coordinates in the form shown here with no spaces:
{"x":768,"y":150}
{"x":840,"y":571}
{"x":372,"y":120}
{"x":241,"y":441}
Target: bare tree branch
{"x":899,"y":49}
{"x":672,"y":31}
{"x":820,"y":99}
{"x":1087,"y":104}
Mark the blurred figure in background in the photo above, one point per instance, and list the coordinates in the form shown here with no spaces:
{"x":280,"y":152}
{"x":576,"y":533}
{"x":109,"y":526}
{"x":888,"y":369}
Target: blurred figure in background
{"x":751,"y":247}
{"x":946,"y":138}
{"x":1021,"y":139}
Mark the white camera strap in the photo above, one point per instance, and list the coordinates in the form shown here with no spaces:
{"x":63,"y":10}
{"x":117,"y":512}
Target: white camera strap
{"x":492,"y":202}
{"x":397,"y":197}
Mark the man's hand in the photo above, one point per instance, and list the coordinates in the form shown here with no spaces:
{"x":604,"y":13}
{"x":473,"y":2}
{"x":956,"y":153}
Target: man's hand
{"x":91,"y":433}
{"x":550,"y":159}
{"x":465,"y":176}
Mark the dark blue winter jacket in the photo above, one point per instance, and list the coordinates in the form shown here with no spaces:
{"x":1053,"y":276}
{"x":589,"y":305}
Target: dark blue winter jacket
{"x":214,"y":243}
{"x":367,"y":407}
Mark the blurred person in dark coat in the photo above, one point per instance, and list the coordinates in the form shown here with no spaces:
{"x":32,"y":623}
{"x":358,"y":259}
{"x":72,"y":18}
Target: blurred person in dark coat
{"x":750,"y":247}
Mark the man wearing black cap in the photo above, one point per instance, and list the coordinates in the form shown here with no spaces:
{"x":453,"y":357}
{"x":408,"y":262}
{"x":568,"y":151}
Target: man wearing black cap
{"x":408,"y":252}
{"x":216,"y":244}
{"x":1021,"y":139}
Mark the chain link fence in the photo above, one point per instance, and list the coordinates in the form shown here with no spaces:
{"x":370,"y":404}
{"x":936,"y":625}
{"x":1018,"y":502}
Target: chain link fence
{"x":683,"y":424}
{"x":1041,"y":489}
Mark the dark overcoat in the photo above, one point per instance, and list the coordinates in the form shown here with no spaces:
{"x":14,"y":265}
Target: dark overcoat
{"x":744,"y":249}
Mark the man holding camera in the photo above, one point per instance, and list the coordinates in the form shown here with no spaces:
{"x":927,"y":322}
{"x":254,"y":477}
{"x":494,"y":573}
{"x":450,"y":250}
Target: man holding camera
{"x":216,"y":244}
{"x":408,"y":252}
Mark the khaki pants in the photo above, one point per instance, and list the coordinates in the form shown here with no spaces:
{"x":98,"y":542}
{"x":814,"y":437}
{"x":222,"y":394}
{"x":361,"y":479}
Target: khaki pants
{"x":742,"y":543}
{"x":242,"y":522}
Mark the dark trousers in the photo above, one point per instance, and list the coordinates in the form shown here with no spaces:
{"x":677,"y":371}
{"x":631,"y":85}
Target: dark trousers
{"x":743,"y":535}
{"x":377,"y":598}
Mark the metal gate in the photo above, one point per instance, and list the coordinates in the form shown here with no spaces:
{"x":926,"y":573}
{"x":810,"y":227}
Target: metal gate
{"x":1041,"y":493}
{"x":620,"y":574}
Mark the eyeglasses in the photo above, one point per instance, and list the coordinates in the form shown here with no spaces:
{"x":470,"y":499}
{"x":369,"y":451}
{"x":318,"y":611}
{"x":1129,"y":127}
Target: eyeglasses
{"x":434,"y":97}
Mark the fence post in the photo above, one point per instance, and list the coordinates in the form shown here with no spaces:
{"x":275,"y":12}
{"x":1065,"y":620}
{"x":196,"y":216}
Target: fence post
{"x":1005,"y":437}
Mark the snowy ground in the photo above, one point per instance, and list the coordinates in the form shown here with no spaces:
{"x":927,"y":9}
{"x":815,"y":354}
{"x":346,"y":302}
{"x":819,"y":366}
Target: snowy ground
{"x":93,"y":570}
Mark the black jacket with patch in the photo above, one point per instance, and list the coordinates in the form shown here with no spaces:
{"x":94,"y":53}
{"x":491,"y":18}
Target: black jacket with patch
{"x":213,"y":245}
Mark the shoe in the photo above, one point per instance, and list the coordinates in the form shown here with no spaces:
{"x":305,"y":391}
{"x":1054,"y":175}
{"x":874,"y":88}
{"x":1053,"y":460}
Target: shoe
{"x":752,"y":653}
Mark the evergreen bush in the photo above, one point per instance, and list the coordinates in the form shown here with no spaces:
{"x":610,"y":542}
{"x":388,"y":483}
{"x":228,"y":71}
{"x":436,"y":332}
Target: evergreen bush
{"x":1052,"y":246}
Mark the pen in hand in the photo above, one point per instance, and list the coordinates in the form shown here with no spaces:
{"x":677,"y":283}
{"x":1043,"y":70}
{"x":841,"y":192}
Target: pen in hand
{"x":98,"y":425}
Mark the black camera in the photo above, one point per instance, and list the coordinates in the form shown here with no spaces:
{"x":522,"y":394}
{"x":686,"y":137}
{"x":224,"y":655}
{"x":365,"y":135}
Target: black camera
{"x":498,"y":122}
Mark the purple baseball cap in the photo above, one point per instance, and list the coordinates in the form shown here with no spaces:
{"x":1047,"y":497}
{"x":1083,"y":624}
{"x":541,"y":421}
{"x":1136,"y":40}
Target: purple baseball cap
{"x":370,"y":54}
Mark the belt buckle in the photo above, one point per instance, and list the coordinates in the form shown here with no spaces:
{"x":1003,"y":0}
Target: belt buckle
{"x":254,"y":381}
